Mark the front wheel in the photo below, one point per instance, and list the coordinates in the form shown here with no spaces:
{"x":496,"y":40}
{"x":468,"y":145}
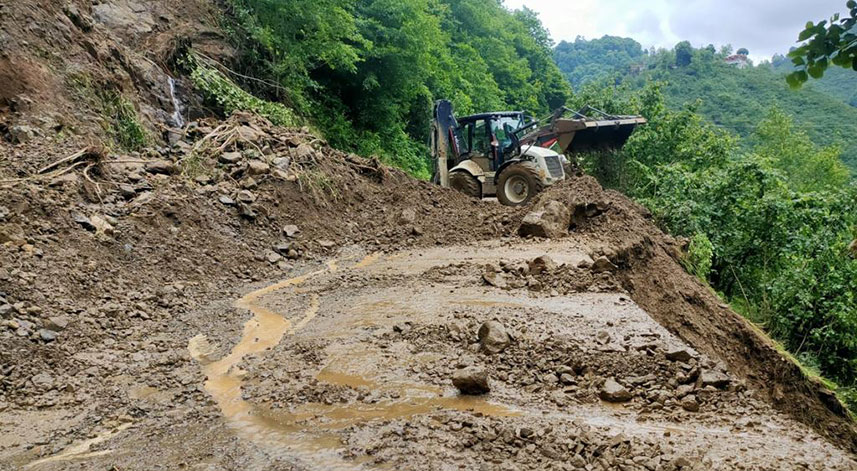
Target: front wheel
{"x":518,"y":184}
{"x":465,"y":183}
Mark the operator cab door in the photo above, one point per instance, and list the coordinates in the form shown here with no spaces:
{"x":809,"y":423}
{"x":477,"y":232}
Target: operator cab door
{"x":479,"y":144}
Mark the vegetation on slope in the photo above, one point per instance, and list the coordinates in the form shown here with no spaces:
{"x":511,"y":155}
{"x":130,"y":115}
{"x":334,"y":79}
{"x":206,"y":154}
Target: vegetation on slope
{"x":735,"y":99}
{"x":366,"y":72}
{"x":769,"y":222}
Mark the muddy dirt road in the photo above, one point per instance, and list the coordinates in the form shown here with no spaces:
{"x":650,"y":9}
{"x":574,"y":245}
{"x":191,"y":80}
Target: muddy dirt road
{"x":348,"y":365}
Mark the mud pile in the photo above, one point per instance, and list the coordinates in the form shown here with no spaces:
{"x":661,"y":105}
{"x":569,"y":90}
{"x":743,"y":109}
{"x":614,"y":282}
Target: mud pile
{"x":105,"y":248}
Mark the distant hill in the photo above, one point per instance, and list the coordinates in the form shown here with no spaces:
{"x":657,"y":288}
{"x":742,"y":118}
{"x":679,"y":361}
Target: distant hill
{"x":732,"y":96}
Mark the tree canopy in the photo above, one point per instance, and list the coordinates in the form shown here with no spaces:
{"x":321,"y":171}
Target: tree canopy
{"x":367,"y":71}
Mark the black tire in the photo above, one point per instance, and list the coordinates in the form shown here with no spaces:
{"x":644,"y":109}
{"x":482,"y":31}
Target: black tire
{"x":465,"y":183}
{"x":518,"y":184}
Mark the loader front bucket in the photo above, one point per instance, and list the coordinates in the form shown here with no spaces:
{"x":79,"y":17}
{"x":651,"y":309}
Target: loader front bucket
{"x":577,"y":135}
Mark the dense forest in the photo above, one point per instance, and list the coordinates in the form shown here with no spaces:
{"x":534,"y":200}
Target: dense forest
{"x":732,"y":97}
{"x":749,"y":171}
{"x":366,"y":72}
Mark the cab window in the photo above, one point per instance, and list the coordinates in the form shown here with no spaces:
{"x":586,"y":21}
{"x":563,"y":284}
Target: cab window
{"x":477,"y":138}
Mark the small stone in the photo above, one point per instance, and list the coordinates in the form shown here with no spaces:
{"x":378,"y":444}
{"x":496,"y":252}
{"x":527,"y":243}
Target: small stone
{"x":21,"y":134}
{"x":102,"y":226}
{"x":689,"y":403}
{"x":683,"y":390}
{"x":163,"y":167}
{"x":84,"y":221}
{"x":127,"y":190}
{"x":290,"y":230}
{"x":408,"y":216}
{"x":282,"y":163}
{"x":229,"y":157}
{"x":47,"y":335}
{"x":493,"y":337}
{"x":226,"y":200}
{"x":245,"y":196}
{"x":543,"y":264}
{"x":56,"y":323}
{"x":273,"y":257}
{"x":304,"y":151}
{"x":282,"y":248}
{"x":612,"y":391}
{"x":257,"y":167}
{"x":472,"y":380}
{"x":494,"y":279}
{"x":566,"y":378}
{"x":326,"y":244}
{"x":602,"y":337}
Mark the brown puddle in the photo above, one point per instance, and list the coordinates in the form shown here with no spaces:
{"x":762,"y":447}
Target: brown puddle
{"x":286,"y":432}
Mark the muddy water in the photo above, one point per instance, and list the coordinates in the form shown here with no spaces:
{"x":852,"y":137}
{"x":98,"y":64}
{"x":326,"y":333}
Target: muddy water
{"x":281,"y":433}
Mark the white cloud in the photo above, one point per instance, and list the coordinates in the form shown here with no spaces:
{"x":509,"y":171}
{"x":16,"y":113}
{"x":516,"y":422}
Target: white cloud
{"x":764,"y":27}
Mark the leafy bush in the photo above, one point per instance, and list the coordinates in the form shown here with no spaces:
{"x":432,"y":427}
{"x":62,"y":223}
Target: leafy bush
{"x":124,"y":125}
{"x":217,"y":88}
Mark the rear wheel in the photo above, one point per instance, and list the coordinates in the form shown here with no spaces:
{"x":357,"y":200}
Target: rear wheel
{"x":465,"y":183}
{"x":519,"y":184}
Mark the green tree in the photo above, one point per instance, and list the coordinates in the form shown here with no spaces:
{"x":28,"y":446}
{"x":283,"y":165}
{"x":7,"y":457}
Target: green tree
{"x":683,"y":54}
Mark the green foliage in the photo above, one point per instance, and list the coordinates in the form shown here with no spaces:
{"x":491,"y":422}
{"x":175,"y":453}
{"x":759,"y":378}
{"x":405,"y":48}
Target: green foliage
{"x":737,"y":99}
{"x":124,"y":125}
{"x":367,"y":71}
{"x":683,"y":54}
{"x":585,"y":61}
{"x":825,"y":43}
{"x":769,"y":222}
{"x":699,"y":255}
{"x":229,"y":97}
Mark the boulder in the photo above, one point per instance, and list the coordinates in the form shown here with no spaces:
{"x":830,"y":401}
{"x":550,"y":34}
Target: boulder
{"x":612,"y":391}
{"x":714,"y":378}
{"x":472,"y":380}
{"x":679,"y":354}
{"x":603,"y":264}
{"x":550,"y":222}
{"x":493,"y":337}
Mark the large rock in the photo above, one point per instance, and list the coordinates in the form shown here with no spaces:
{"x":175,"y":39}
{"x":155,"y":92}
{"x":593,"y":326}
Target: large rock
{"x":550,"y":222}
{"x":714,"y":378}
{"x":493,"y":337}
{"x":614,"y":392}
{"x":679,"y":354}
{"x":472,"y":380}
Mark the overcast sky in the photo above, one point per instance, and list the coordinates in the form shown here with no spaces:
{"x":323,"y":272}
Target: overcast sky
{"x":765,"y":27}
